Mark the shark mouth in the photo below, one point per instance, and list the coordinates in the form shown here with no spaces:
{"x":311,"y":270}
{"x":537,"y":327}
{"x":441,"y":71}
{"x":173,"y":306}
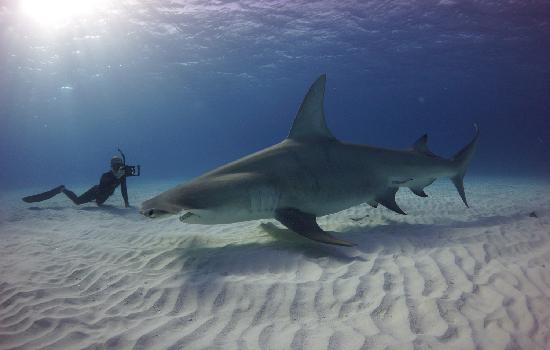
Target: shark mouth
{"x":154,"y":213}
{"x":187,"y":215}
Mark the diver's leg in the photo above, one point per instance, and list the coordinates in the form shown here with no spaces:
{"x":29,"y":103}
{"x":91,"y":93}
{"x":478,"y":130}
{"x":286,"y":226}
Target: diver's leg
{"x":45,"y":195}
{"x":86,"y":197}
{"x":72,"y":196}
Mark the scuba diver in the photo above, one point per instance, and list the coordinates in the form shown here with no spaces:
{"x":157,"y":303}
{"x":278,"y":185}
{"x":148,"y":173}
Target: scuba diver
{"x":99,"y":193}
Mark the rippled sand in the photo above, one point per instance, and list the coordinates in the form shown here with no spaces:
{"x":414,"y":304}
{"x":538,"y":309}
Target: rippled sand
{"x":444,"y":276}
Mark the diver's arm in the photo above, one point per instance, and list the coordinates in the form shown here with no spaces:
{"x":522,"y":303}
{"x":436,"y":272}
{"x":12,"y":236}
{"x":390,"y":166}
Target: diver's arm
{"x":106,"y":179}
{"x":124,"y":191}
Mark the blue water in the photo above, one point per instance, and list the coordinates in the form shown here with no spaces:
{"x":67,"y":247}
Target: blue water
{"x":185,"y":86}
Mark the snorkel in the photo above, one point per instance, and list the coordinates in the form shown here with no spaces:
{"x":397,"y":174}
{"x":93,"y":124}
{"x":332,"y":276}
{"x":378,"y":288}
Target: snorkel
{"x":122,"y":156}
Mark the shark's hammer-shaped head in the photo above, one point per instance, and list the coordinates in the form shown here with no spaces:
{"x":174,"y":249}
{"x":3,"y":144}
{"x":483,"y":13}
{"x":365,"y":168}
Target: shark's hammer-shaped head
{"x":189,"y":200}
{"x":223,"y":198}
{"x":165,"y":204}
{"x":153,"y":208}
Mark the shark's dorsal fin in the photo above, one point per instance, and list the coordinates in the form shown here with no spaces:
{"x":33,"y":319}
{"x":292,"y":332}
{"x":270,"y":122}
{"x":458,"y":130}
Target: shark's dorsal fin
{"x":310,"y":123}
{"x":421,"y":146}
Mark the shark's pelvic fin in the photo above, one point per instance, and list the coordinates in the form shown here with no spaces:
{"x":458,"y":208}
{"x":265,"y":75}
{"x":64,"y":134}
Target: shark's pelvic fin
{"x":387,"y":199}
{"x":305,"y":224}
{"x":401,"y":182}
{"x":418,"y":192}
{"x":421,"y":146}
{"x":462,"y":160}
{"x":418,"y":186}
{"x":310,"y":123}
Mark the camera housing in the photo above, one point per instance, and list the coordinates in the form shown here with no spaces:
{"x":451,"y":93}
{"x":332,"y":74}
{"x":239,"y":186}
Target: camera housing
{"x":132,"y":170}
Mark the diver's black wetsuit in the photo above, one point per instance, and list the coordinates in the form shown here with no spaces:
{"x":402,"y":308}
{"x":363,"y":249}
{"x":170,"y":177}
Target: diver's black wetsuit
{"x":98,"y":193}
{"x":101,"y":192}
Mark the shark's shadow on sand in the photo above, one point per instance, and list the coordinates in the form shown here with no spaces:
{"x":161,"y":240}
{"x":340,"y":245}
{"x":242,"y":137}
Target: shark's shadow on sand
{"x":394,"y":233}
{"x":272,"y":256}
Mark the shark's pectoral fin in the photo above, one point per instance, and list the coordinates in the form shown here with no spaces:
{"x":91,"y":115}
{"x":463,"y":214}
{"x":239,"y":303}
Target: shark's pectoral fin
{"x":305,"y":224}
{"x":373,"y":203}
{"x":387,"y":199}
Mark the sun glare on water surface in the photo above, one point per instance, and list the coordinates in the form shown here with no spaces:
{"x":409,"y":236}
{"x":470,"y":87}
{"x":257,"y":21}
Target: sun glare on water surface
{"x":58,"y":12}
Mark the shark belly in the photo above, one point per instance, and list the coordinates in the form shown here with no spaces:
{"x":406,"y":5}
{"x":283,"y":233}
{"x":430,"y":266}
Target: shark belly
{"x":254,"y":203}
{"x":323,"y":195}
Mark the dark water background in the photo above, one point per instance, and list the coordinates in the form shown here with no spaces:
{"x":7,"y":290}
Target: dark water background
{"x":184,"y":86}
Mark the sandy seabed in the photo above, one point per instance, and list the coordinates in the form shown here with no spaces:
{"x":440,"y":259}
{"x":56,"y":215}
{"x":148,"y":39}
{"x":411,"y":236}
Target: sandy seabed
{"x":442,"y":277}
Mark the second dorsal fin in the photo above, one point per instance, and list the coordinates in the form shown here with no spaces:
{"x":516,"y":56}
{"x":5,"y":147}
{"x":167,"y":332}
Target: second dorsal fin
{"x":421,"y":146}
{"x":310,"y":120}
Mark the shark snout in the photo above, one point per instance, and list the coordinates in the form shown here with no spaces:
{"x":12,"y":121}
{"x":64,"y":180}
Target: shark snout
{"x":154,"y":213}
{"x":147,"y":212}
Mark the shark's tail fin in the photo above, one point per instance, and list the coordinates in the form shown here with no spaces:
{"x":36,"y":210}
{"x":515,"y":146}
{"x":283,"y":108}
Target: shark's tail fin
{"x":461,"y":160}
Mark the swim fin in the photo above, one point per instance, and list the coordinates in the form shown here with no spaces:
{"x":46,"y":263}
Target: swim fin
{"x":44,"y":195}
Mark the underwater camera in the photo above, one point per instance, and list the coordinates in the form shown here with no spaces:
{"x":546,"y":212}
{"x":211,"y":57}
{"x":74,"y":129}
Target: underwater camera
{"x":130,"y":170}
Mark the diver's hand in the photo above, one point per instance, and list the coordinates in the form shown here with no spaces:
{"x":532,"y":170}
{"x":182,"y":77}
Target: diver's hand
{"x":119,"y":173}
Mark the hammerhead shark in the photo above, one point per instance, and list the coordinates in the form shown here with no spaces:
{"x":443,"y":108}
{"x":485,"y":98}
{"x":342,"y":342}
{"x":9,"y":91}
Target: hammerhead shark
{"x":309,"y":174}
